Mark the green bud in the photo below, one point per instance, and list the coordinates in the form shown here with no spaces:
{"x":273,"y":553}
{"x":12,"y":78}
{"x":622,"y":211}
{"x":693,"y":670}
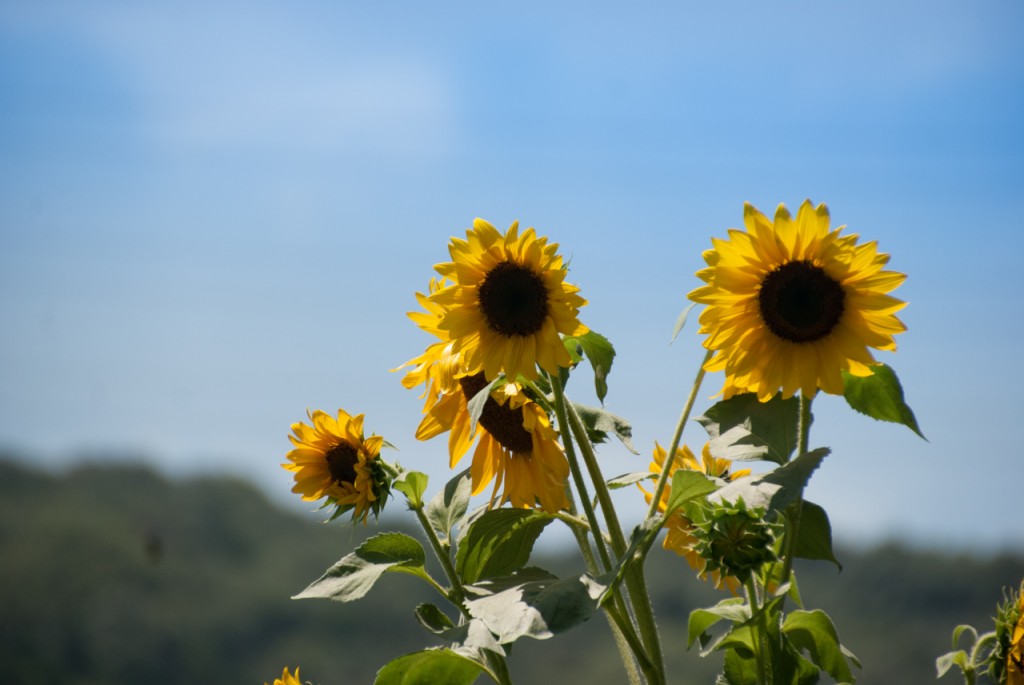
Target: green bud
{"x":734,"y":539}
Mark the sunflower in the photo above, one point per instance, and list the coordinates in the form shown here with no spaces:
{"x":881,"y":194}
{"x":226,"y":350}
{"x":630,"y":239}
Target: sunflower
{"x":508,"y":302}
{"x":679,"y":536}
{"x":287,"y":678}
{"x":332,"y":459}
{"x":793,"y":305}
{"x":516,"y":446}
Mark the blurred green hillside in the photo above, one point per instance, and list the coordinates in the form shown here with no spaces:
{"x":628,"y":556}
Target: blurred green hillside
{"x":115,"y":574}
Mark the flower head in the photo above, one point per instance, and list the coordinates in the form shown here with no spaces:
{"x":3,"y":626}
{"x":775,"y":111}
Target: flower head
{"x":332,"y":459}
{"x":791,"y":304}
{"x":287,"y":678}
{"x":508,"y":302}
{"x":516,"y":447}
{"x":1006,"y":662}
{"x":679,"y":530}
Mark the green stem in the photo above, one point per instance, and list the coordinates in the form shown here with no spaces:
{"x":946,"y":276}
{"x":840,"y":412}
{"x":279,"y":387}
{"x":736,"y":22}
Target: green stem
{"x":457,"y":594}
{"x":677,"y":437}
{"x":803,"y":437}
{"x":636,"y":584}
{"x":759,"y":633}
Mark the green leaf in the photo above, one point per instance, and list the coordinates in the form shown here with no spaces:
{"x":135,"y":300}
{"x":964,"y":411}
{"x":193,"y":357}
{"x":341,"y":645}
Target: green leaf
{"x":947,"y":661}
{"x":599,"y":423}
{"x":499,"y":542}
{"x":534,"y":608}
{"x":627,"y":479}
{"x":742,"y":428}
{"x":449,"y":506}
{"x":686,"y":486}
{"x":815,"y":535}
{"x":740,"y":669}
{"x":433,"y":619}
{"x":475,"y":406}
{"x":732,"y":609}
{"x":599,"y":351}
{"x":776,"y":489}
{"x":814,"y":632}
{"x":880,"y":396}
{"x":680,"y":322}
{"x":430,"y":667}
{"x":354,"y":575}
{"x":413,"y":484}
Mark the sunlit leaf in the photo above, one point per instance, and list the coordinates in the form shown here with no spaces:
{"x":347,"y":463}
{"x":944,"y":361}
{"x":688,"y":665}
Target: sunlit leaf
{"x":430,"y":667}
{"x":599,"y":423}
{"x":742,"y":428}
{"x":448,"y":507}
{"x":880,"y":396}
{"x":499,"y":542}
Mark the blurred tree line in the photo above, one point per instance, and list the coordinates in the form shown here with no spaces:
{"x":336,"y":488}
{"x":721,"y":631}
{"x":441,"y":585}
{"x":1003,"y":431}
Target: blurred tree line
{"x":115,"y":574}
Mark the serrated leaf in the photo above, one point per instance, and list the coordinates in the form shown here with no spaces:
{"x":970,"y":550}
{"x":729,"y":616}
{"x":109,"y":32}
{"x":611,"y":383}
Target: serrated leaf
{"x":777,"y":488}
{"x":880,"y":396}
{"x":732,"y":609}
{"x":498,"y":543}
{"x":449,"y":506}
{"x":814,"y":539}
{"x":356,"y":573}
{"x":680,"y":322}
{"x":686,"y":486}
{"x":599,"y":423}
{"x":627,"y":479}
{"x":600,"y":353}
{"x":536,"y":608}
{"x":430,"y":667}
{"x":814,"y":632}
{"x":412,"y":484}
{"x":742,"y":428}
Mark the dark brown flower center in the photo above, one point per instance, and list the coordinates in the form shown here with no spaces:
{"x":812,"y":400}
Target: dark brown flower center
{"x":514,"y":300}
{"x":501,"y":421}
{"x":800,"y":303}
{"x":341,"y":462}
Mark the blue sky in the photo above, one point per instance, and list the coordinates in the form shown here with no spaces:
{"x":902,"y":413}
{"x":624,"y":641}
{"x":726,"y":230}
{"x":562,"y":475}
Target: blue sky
{"x":214,"y":216}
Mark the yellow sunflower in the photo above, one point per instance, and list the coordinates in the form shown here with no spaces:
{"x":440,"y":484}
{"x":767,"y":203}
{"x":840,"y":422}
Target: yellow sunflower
{"x":1015,"y":651}
{"x":516,"y":447}
{"x":791,"y":305}
{"x":332,"y":459}
{"x":679,"y":530}
{"x":508,"y":302}
{"x":287,"y":678}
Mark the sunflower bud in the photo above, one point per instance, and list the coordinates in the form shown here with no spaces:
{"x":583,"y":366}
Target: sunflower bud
{"x":1006,"y":662}
{"x":734,"y":539}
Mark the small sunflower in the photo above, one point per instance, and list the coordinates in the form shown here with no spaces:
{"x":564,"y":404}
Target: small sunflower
{"x":679,"y":536}
{"x":508,"y":302}
{"x":793,"y":304}
{"x":1007,"y":659}
{"x":287,"y":678}
{"x":332,"y":459}
{"x":516,"y":447}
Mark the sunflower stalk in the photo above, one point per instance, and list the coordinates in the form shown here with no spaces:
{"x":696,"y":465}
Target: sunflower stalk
{"x":793,"y":532}
{"x":677,"y":437}
{"x":636,"y":584}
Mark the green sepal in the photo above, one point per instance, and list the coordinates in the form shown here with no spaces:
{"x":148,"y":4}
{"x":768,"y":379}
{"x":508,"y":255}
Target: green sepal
{"x":448,"y":507}
{"x":742,"y":428}
{"x":600,"y":353}
{"x":412,"y":484}
{"x":599,"y":423}
{"x":429,"y":667}
{"x":533,"y":603}
{"x":356,"y":573}
{"x":880,"y":396}
{"x":498,"y":543}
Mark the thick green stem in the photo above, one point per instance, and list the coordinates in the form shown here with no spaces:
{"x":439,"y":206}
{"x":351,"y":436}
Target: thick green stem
{"x":636,"y":584}
{"x":803,"y":437}
{"x":677,"y":437}
{"x":760,"y":638}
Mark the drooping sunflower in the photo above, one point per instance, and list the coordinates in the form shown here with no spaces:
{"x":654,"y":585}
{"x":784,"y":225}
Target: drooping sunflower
{"x":332,"y":459}
{"x":516,"y":447}
{"x":287,"y":678}
{"x":791,"y":305}
{"x":508,"y":302}
{"x":679,"y":536}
